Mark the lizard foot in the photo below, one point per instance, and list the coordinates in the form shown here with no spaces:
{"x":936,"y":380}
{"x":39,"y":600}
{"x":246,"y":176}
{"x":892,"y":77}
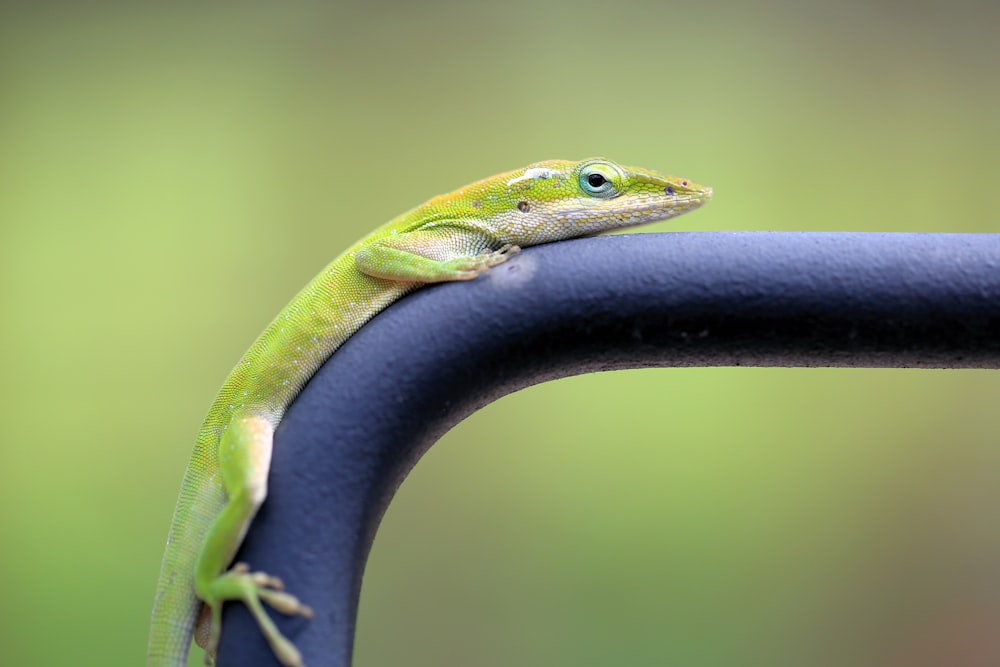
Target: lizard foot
{"x":503,"y":254}
{"x":471,"y":266}
{"x":239,"y":583}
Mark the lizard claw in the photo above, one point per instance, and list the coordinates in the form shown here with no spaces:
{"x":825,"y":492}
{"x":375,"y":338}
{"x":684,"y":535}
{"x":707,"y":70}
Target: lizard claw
{"x":286,"y":603}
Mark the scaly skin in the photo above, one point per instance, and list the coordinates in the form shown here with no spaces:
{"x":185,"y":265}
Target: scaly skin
{"x":451,"y":237}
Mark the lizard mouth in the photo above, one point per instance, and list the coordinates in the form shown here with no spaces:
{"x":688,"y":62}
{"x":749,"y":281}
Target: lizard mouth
{"x":616,"y":213}
{"x":667,"y":205}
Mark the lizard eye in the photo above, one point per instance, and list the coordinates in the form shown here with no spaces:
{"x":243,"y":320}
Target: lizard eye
{"x":601,"y":179}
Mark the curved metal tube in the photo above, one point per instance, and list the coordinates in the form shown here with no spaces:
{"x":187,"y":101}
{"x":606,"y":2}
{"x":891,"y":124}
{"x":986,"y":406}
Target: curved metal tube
{"x":680,"y":299}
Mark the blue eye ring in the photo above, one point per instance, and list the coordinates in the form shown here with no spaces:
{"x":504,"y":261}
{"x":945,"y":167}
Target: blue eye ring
{"x":600,"y":179}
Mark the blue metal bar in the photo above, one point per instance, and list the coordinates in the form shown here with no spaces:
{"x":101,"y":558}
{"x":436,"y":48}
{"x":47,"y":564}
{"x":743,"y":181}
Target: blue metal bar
{"x":681,"y":299}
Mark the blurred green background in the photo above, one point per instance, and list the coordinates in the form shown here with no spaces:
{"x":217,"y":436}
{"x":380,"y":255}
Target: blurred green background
{"x":171,"y":174}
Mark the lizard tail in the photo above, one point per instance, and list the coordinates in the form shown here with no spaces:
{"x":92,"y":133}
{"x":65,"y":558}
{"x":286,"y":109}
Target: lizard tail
{"x":176,"y":606}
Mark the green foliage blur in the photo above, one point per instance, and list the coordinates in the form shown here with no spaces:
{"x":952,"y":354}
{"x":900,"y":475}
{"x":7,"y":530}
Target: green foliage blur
{"x":170,"y":174}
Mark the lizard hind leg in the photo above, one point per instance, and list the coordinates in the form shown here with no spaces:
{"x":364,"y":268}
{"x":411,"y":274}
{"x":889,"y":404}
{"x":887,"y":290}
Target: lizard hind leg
{"x":244,"y":460}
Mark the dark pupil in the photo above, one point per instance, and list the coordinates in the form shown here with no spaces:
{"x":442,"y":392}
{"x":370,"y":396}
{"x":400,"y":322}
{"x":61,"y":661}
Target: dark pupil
{"x":596,"y":180}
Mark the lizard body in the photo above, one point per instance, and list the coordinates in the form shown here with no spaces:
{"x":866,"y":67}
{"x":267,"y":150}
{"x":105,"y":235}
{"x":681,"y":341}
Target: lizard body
{"x":451,"y":237}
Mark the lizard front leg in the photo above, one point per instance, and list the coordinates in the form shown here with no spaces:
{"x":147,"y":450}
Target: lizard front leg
{"x":244,"y":460}
{"x":434,"y":255}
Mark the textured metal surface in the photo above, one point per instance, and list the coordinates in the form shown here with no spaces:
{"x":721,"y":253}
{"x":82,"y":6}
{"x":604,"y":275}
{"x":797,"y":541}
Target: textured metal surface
{"x":683,"y":299}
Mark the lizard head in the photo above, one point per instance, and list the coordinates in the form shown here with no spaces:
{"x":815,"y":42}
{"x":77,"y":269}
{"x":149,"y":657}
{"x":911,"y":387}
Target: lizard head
{"x":598,"y":195}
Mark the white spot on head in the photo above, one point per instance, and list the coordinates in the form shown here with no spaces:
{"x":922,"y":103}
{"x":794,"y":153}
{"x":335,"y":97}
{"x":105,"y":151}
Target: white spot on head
{"x":533,"y":173}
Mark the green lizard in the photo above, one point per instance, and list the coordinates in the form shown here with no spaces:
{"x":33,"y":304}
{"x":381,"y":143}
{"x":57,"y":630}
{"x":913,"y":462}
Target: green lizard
{"x":452,"y":237}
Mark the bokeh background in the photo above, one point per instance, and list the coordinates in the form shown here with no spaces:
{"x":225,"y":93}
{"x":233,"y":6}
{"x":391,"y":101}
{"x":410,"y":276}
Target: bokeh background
{"x":171,"y":173}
